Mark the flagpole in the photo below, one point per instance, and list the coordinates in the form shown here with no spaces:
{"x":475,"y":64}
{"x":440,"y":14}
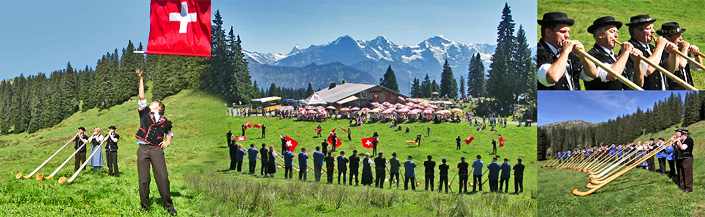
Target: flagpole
{"x":409,"y":83}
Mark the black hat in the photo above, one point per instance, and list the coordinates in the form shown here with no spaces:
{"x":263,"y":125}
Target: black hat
{"x":555,"y":17}
{"x":639,"y":19}
{"x":652,"y":139}
{"x":603,"y":21}
{"x":342,"y":152}
{"x":112,"y":127}
{"x":661,"y":138}
{"x":81,"y":128}
{"x":669,"y":29}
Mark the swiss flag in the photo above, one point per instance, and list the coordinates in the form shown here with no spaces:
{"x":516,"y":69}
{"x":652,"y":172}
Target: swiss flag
{"x":341,"y":127}
{"x":501,"y":142}
{"x":240,"y":138}
{"x":337,"y":141}
{"x":180,"y":27}
{"x":469,"y":140}
{"x":318,"y":130}
{"x":248,"y":125}
{"x":367,"y":142}
{"x":290,"y":143}
{"x":257,"y":126}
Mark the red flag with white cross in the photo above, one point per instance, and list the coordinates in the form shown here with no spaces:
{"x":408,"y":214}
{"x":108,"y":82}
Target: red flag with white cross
{"x":180,"y":27}
{"x":367,"y":142}
{"x":290,"y":143}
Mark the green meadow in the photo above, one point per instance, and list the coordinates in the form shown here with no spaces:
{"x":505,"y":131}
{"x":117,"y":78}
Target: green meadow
{"x":197,"y":161}
{"x":638,"y":192}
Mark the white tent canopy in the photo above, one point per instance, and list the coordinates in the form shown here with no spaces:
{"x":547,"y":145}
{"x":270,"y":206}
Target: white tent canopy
{"x":315,"y":100}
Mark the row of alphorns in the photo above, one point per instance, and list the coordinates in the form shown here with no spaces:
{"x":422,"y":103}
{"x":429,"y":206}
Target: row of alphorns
{"x":62,"y":180}
{"x":605,"y":166}
{"x":296,"y":167}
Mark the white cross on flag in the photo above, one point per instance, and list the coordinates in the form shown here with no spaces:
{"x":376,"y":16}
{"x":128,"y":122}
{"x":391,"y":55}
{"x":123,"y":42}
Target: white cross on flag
{"x":367,"y":142}
{"x":291,"y":143}
{"x":180,"y":27}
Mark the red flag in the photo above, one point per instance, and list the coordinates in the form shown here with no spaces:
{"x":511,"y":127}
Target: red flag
{"x":501,"y":142}
{"x":240,"y":138}
{"x":257,"y":126}
{"x":469,"y":140}
{"x":367,"y":142}
{"x":318,"y":130}
{"x":180,"y":27}
{"x":341,"y":127}
{"x":290,"y":143}
{"x":248,"y":125}
{"x":337,"y":141}
{"x":411,"y":142}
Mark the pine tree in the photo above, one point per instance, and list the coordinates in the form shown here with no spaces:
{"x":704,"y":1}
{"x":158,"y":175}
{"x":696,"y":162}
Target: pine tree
{"x":503,"y":66}
{"x":448,"y":89}
{"x":426,"y":87}
{"x":476,"y":77}
{"x":309,"y":89}
{"x":525,"y":67}
{"x":415,"y":88}
{"x":462,"y":87}
{"x":389,"y":80}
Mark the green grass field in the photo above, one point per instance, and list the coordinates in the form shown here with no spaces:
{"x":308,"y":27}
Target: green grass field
{"x":638,"y":192}
{"x":687,"y":13}
{"x":198,"y":156}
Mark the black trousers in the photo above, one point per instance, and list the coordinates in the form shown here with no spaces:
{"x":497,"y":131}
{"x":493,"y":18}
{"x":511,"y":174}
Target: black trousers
{"x":651,"y":163}
{"x":428,"y":181}
{"x":233,"y":158}
{"x":406,"y":182}
{"x":458,"y":146}
{"x":239,"y":165}
{"x":493,"y":185}
{"x":463,"y":184}
{"x":329,"y":174}
{"x":686,"y":174}
{"x":476,"y":182}
{"x":302,"y":173}
{"x":263,"y":170}
{"x":662,"y":165}
{"x":504,"y":181}
{"x":391,"y":179}
{"x":112,"y":163}
{"x":341,"y":173}
{"x":379,"y":182}
{"x":518,"y":184}
{"x":148,"y":155}
{"x":672,"y":168}
{"x":253,"y":165}
{"x":443,"y":182}
{"x":354,"y":173}
{"x":288,"y":172}
{"x":317,"y":172}
{"x":80,"y":158}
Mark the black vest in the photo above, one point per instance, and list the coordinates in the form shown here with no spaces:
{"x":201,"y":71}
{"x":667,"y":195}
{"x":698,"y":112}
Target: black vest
{"x":653,"y":81}
{"x":79,"y":143}
{"x":111,"y":146}
{"x":604,"y":57}
{"x":683,"y":74}
{"x":544,"y":55}
{"x":152,"y":131}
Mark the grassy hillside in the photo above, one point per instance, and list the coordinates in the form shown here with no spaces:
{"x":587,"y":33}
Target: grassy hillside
{"x":637,"y":192}
{"x":685,"y":12}
{"x":198,"y":155}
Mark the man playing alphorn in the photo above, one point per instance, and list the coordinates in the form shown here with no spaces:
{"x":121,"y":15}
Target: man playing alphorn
{"x":671,"y":61}
{"x":641,"y":30}
{"x":605,"y":31}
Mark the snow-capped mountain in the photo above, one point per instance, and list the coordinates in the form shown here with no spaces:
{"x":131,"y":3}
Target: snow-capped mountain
{"x":376,"y":55}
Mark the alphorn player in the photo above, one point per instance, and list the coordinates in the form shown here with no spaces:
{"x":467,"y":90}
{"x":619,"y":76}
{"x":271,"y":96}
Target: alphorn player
{"x":153,"y":137}
{"x":557,"y":67}
{"x":111,"y":152}
{"x":605,"y":31}
{"x":671,"y":61}
{"x":80,"y":139}
{"x":641,"y":30}
{"x":684,"y":144}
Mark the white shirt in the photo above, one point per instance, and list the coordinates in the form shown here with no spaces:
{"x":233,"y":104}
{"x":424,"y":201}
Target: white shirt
{"x":543,"y":70}
{"x":143,"y":104}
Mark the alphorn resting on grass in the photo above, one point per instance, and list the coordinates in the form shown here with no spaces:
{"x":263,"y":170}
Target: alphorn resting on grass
{"x":19,"y":175}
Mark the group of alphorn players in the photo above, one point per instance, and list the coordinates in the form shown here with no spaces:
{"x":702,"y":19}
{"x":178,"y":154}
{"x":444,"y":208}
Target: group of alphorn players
{"x":607,"y":162}
{"x":562,"y":63}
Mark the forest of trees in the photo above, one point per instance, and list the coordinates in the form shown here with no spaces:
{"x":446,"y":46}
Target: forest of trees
{"x":668,"y":112}
{"x":30,"y":103}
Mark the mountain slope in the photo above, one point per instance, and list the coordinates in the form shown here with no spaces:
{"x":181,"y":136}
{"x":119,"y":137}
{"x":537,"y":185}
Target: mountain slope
{"x":298,"y":77}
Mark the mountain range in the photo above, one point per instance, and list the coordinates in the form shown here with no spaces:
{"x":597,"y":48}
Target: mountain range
{"x":371,"y":57}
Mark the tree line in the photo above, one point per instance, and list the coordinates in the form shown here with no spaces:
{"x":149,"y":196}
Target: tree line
{"x":673,"y":110}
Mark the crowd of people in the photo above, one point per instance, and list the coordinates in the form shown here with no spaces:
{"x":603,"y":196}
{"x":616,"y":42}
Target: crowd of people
{"x":678,"y":153}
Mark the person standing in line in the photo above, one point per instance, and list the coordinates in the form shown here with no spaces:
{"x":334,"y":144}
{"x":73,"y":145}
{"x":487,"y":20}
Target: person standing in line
{"x":288,"y":164}
{"x":429,"y":166}
{"x":318,"y":163}
{"x":477,"y":173}
{"x":463,"y":175}
{"x":506,"y":174}
{"x":394,"y":165}
{"x":97,"y":159}
{"x":324,"y":147}
{"x":81,"y":139}
{"x":239,"y":156}
{"x":252,"y":156}
{"x":443,"y":176}
{"x":354,"y":166}
{"x":232,"y":150}
{"x":380,"y":167}
{"x":264,"y":130}
{"x":457,"y":143}
{"x":271,"y":161}
{"x":111,"y":148}
{"x":518,"y":177}
{"x":264,"y":157}
{"x":685,"y":146}
{"x":367,"y":170}
{"x":493,"y":175}
{"x":409,"y":174}
{"x":330,"y":167}
{"x":342,"y":166}
{"x":303,"y":164}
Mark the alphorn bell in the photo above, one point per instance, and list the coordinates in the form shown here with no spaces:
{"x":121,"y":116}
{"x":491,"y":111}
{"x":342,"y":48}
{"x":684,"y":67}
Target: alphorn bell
{"x":19,"y":175}
{"x":665,"y":72}
{"x":42,"y":177}
{"x":63,"y":180}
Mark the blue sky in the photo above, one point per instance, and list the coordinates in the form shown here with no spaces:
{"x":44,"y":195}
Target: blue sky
{"x":594,"y":106}
{"x":42,"y":36}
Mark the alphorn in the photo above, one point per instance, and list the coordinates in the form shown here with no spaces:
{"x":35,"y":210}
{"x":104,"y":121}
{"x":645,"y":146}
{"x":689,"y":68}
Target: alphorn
{"x":597,"y":160}
{"x":63,"y":180}
{"x":665,"y":72}
{"x":593,"y":182}
{"x":42,"y":177}
{"x":594,"y":157}
{"x":619,"y":77}
{"x":598,"y":180}
{"x":609,"y":167}
{"x":608,"y":163}
{"x":691,"y":60}
{"x":620,"y":162}
{"x":19,"y":175}
{"x":612,"y":178}
{"x":699,"y":54}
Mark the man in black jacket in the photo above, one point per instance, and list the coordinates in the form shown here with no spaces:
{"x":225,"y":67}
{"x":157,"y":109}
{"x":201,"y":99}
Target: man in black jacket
{"x":605,"y":30}
{"x":153,"y":137}
{"x":111,"y":152}
{"x":342,"y":166}
{"x":443,"y":176}
{"x":380,"y":166}
{"x":354,"y":165}
{"x":518,"y":177}
{"x":81,"y":140}
{"x":429,"y":166}
{"x":264,"y":158}
{"x":685,"y":172}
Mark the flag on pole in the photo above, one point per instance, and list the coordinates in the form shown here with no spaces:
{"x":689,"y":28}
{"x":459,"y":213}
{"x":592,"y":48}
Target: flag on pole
{"x":341,"y":127}
{"x":501,"y":142}
{"x":248,"y":125}
{"x":367,"y":142}
{"x":180,"y":27}
{"x":337,"y":141}
{"x":469,"y":140}
{"x":290,"y":143}
{"x":240,"y":138}
{"x":257,"y":126}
